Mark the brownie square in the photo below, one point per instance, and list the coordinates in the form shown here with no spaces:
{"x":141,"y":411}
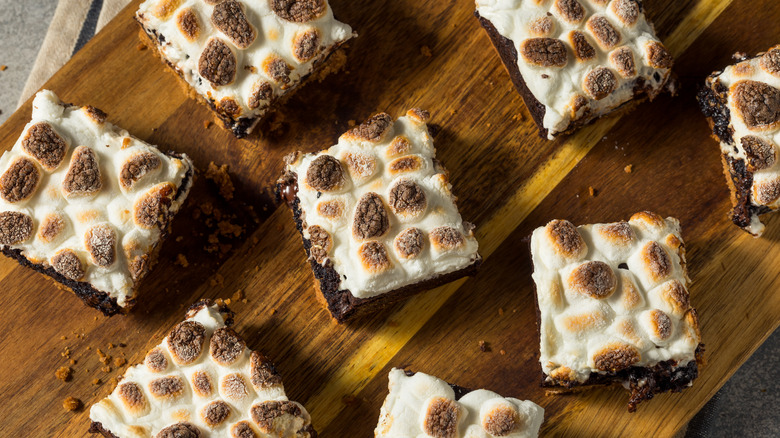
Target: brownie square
{"x":201,"y":381}
{"x":377,"y":216}
{"x":87,"y":204}
{"x":243,"y":58}
{"x":614,"y":306}
{"x":576,"y":61}
{"x":421,"y":405}
{"x":742,"y":106}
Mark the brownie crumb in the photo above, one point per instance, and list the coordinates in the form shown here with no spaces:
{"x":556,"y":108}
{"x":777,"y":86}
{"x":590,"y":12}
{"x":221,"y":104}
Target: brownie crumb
{"x":207,"y":124}
{"x":426,"y":51}
{"x":221,"y":177}
{"x":484,"y":347}
{"x":3,"y":67}
{"x":71,"y":404}
{"x":181,"y":260}
{"x":629,"y":168}
{"x":502,"y":352}
{"x":64,"y":374}
{"x":140,"y":46}
{"x":592,"y":192}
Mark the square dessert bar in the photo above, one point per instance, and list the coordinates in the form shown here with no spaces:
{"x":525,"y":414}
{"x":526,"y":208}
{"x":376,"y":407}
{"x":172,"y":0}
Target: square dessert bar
{"x":421,"y":405}
{"x":377,"y":216}
{"x":614,"y":307}
{"x":242,"y":58}
{"x":742,"y":106}
{"x":574,"y":61}
{"x":201,"y":381}
{"x":87,"y":204}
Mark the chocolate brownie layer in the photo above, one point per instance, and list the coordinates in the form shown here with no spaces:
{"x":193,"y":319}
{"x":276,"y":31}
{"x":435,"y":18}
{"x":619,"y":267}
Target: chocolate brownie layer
{"x":342,"y":305}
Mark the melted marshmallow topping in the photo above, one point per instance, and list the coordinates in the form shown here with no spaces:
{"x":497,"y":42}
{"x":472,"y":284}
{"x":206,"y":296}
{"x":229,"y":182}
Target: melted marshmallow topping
{"x":202,"y":381}
{"x":754,"y":104}
{"x":612,"y":296}
{"x":243,"y":55}
{"x":581,"y":59}
{"x":85,"y":198}
{"x":424,"y":406}
{"x":379,"y":207}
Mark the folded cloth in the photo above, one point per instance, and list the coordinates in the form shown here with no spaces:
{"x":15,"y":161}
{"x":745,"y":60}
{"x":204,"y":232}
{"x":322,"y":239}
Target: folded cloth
{"x":74,"y":23}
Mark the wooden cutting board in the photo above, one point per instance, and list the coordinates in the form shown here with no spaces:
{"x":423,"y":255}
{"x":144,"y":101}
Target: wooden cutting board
{"x":430,"y":54}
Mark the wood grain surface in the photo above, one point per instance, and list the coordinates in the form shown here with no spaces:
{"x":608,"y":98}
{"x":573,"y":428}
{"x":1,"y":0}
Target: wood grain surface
{"x":508,"y":181}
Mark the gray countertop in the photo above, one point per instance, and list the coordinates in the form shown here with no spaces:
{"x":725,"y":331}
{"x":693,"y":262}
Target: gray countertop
{"x":747,"y":404}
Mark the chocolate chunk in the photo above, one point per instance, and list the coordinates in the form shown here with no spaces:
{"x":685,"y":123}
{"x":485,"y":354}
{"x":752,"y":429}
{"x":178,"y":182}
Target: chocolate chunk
{"x":298,"y":11}
{"x":407,"y":198}
{"x":582,"y":48}
{"x":662,"y":324}
{"x":767,"y":192}
{"x":501,"y":421}
{"x":370,"y":217}
{"x":226,"y":345}
{"x":242,"y":429}
{"x":185,"y":341}
{"x":607,"y":36}
{"x":373,"y":255}
{"x":542,"y":26}
{"x":83,"y":177}
{"x":373,"y":129}
{"x":234,"y":387}
{"x":45,"y":145}
{"x":228,"y":16}
{"x":277,"y":69}
{"x":600,"y":83}
{"x":100,"y":241}
{"x":132,"y":396}
{"x":758,"y":104}
{"x":441,"y":418}
{"x":759,"y":153}
{"x":306,"y":45}
{"x":623,"y":60}
{"x":179,"y":430}
{"x":201,"y":382}
{"x":262,"y":93}
{"x":96,"y":114}
{"x":20,"y":181}
{"x":156,"y":361}
{"x":770,"y":61}
{"x":409,"y":163}
{"x":166,"y":387}
{"x":215,"y":413}
{"x":566,"y":239}
{"x":151,"y":209}
{"x":51,"y":227}
{"x":594,"y":279}
{"x":136,"y":167}
{"x":409,"y":243}
{"x":264,"y":374}
{"x":361,"y":166}
{"x":570,"y":10}
{"x":68,"y":264}
{"x":627,"y":10}
{"x":616,"y":357}
{"x":544,"y":52}
{"x":266,"y":413}
{"x":217,"y":63}
{"x":15,"y":227}
{"x":658,"y":56}
{"x":446,"y":238}
{"x":657,"y":261}
{"x":325,"y":174}
{"x":188,"y":23}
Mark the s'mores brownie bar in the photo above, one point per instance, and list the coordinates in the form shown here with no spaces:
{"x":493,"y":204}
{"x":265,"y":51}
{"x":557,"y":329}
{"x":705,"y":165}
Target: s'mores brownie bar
{"x":421,"y":405}
{"x":201,"y":381}
{"x":742,"y":106}
{"x":377,"y":216}
{"x":86,"y":203}
{"x":614,"y":307}
{"x":574,"y":61}
{"x":242,"y":58}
